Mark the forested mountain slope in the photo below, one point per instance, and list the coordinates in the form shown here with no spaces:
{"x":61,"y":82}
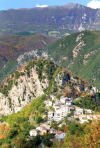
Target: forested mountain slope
{"x":77,"y":52}
{"x":80,"y":53}
{"x":12,"y":46}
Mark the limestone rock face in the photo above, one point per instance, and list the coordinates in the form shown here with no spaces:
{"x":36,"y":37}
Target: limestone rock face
{"x":27,"y":89}
{"x":32,"y":81}
{"x":78,"y":48}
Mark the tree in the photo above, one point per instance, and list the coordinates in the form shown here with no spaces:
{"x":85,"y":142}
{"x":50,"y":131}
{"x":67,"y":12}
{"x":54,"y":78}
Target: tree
{"x":41,"y":109}
{"x":13,"y":132}
{"x":89,"y":138}
{"x":17,"y":74}
{"x":83,"y":111}
{"x":59,"y":95}
{"x":36,"y":140}
{"x":73,"y":127}
{"x":47,"y":142}
{"x":62,"y":128}
{"x":45,"y":119}
{"x":39,"y":120}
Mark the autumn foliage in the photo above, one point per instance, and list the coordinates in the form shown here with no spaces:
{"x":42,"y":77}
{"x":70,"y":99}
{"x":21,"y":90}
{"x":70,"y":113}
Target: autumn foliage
{"x":4,"y":129}
{"x":89,"y":139}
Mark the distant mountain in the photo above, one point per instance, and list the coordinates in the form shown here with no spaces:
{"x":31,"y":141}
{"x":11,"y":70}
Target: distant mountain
{"x":80,"y":53}
{"x":68,"y":17}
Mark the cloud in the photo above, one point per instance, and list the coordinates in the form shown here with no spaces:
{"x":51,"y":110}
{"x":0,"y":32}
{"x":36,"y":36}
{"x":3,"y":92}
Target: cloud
{"x":41,"y":5}
{"x":94,"y":4}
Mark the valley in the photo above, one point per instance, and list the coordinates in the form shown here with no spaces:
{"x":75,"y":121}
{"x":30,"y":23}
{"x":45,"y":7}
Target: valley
{"x":49,"y":77}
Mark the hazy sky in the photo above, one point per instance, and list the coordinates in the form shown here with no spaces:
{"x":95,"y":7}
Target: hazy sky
{"x":6,"y":4}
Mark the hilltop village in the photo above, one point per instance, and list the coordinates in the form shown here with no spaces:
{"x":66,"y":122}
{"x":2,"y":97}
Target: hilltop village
{"x":58,"y":110}
{"x":45,"y":100}
{"x":65,"y":92}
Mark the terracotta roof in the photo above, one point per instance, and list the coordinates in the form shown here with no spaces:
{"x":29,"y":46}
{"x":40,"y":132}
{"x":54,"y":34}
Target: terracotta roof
{"x":76,"y":115}
{"x":76,"y":107}
{"x":82,"y":115}
{"x":91,"y":116}
{"x":68,"y":101}
{"x":57,"y":108}
{"x":59,"y":132}
{"x":98,"y":116}
{"x":73,"y":106}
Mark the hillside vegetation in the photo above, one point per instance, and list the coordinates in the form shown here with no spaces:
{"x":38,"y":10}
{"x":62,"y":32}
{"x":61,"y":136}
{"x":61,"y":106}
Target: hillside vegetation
{"x":11,"y":46}
{"x":16,"y":133}
{"x":81,"y":135}
{"x":79,"y":53}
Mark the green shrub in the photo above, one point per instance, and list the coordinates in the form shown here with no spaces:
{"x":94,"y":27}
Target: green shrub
{"x":17,"y":74}
{"x":39,"y":120}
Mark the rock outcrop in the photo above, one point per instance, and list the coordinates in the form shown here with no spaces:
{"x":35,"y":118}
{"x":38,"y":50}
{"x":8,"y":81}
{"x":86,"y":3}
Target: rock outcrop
{"x":31,"y":81}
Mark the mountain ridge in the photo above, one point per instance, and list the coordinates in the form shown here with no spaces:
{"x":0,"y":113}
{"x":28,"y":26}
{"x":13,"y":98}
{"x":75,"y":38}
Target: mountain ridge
{"x":78,"y":53}
{"x":68,"y":5}
{"x":12,"y":46}
{"x":50,"y":18}
{"x":52,"y":6}
{"x":33,"y":80}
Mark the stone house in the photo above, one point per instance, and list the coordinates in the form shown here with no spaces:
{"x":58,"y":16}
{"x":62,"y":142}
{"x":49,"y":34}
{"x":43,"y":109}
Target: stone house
{"x":63,"y":99}
{"x":79,"y":110}
{"x":63,"y":110}
{"x":34,"y":132}
{"x":98,"y":117}
{"x":39,"y":128}
{"x":45,"y":125}
{"x":49,"y":122}
{"x":44,"y":131}
{"x":88,"y":111}
{"x":48,"y":103}
{"x":52,"y":97}
{"x":56,"y":107}
{"x":82,"y":118}
{"x":68,"y":102}
{"x":50,"y":115}
{"x":91,"y":117}
{"x":53,"y":131}
{"x":60,"y":135}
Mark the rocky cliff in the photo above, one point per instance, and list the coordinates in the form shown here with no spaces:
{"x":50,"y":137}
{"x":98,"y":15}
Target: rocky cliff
{"x":31,"y":81}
